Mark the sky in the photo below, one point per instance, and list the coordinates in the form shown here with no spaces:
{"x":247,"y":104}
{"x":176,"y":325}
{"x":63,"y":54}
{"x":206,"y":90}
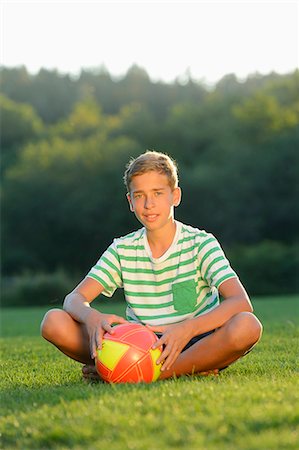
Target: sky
{"x":208,"y":39}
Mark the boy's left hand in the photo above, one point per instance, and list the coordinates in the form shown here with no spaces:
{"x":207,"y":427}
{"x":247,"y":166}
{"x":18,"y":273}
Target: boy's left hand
{"x":174,"y":339}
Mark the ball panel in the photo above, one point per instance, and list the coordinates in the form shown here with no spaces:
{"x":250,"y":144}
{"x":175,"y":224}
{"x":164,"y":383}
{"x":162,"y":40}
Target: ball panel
{"x":133,"y":334}
{"x":146,"y":367}
{"x":124,"y":329}
{"x":134,"y":373}
{"x":111,"y":353}
{"x":155,"y":353}
{"x":140,"y":338}
{"x":128,"y":360}
{"x":103,"y":371}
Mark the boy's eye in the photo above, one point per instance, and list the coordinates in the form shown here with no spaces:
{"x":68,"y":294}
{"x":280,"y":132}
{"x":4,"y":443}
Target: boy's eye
{"x":158,"y":193}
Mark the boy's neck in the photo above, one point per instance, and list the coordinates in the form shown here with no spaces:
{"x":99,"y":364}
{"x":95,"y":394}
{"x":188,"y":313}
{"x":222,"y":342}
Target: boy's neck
{"x":160,"y":240}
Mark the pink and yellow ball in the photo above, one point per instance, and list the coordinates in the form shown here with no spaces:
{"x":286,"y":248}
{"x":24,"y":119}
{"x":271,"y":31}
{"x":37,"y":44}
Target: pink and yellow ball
{"x":127,"y":355}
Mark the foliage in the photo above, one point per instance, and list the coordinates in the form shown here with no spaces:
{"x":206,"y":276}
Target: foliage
{"x":252,"y":405}
{"x":19,"y":124}
{"x":41,"y":288}
{"x":64,"y":198}
{"x":236,"y":145}
{"x":50,"y":93}
{"x":36,"y":289}
{"x":268,"y":267}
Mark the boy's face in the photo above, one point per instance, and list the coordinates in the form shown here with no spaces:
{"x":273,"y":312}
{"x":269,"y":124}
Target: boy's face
{"x":152,"y":200}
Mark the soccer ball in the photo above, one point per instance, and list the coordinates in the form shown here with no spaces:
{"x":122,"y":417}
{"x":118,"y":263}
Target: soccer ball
{"x":127,"y":357}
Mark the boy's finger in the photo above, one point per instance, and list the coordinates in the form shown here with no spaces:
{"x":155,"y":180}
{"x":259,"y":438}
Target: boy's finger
{"x":98,"y":340}
{"x":121,"y":320}
{"x":169,"y":356}
{"x":169,"y":361}
{"x":93,"y":350}
{"x":107,"y":327}
{"x":118,"y":319}
{"x":164,"y":355}
{"x":158,"y":329}
{"x":158,"y":343}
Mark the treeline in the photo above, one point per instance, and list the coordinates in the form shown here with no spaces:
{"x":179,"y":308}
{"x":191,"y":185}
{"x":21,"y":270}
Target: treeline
{"x":65,"y":142}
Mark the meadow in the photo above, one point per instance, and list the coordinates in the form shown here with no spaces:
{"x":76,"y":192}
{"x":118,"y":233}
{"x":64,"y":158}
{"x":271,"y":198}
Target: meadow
{"x":254,"y":404}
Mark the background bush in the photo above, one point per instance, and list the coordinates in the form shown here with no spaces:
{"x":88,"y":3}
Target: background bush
{"x":36,"y":289}
{"x":268,"y":267}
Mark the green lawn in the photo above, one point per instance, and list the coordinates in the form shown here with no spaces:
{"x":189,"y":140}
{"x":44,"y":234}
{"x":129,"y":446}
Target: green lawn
{"x":252,"y":405}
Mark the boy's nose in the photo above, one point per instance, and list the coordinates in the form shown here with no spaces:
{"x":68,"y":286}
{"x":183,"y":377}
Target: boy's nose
{"x":149,"y":203}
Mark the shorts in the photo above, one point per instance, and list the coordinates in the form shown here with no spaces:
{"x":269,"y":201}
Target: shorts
{"x":193,"y":340}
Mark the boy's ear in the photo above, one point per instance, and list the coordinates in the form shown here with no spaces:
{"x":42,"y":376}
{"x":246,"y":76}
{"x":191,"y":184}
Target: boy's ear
{"x":130,"y":202}
{"x":177,"y":196}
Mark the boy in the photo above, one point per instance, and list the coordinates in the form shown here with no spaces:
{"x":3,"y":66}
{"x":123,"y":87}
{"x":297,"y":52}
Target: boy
{"x":172,"y":275}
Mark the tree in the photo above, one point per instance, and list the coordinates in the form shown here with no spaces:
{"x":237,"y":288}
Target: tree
{"x":85,"y":120}
{"x":61,"y":202}
{"x":19,"y":124}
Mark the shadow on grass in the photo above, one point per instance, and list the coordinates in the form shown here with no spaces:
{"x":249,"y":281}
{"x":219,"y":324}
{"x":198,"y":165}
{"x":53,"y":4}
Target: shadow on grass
{"x":20,"y":399}
{"x":26,"y":399}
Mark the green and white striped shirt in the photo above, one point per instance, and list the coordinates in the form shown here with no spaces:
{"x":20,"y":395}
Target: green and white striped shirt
{"x":181,"y":284}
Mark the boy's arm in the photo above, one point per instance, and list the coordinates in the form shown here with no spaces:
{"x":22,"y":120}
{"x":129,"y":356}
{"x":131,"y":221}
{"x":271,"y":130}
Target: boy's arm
{"x":77,"y":304}
{"x":175,"y":337}
{"x":235,"y":300}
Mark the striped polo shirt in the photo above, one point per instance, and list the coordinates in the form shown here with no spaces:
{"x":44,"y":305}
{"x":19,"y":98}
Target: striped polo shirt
{"x":181,"y":284}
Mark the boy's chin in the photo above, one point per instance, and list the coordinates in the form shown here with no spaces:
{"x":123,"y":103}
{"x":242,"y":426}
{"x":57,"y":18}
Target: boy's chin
{"x":157,"y":225}
{"x":150,"y":226}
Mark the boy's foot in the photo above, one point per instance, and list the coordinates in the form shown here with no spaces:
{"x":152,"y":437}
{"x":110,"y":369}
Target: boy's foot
{"x":214,"y":372}
{"x":90,"y":373}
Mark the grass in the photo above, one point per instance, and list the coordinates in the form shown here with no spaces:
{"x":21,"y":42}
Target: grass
{"x":252,"y":405}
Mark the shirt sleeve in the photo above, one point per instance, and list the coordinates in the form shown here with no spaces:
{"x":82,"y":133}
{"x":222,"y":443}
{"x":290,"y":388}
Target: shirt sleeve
{"x":214,"y":266}
{"x":107,"y":271}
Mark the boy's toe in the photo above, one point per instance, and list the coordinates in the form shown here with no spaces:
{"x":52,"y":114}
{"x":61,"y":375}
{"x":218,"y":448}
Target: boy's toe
{"x":90,"y":373}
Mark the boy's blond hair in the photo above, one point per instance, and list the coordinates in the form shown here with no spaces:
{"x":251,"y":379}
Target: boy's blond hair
{"x":152,"y":161}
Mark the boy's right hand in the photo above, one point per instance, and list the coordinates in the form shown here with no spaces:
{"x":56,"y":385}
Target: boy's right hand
{"x":97,"y":324}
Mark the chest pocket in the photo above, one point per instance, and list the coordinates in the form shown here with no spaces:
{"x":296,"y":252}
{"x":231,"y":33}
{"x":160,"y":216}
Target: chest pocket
{"x":184,"y":296}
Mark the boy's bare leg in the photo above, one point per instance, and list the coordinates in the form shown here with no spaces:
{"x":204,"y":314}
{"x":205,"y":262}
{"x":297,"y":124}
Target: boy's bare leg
{"x":69,"y":336}
{"x":219,"y":349}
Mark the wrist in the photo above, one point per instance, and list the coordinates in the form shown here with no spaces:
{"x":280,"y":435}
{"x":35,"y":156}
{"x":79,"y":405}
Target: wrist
{"x":195,"y":327}
{"x":88,"y":314}
{"x":85,"y":314}
{"x":77,"y":307}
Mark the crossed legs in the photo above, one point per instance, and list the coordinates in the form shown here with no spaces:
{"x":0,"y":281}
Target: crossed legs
{"x":219,"y":349}
{"x":69,"y":336}
{"x":215,"y":351}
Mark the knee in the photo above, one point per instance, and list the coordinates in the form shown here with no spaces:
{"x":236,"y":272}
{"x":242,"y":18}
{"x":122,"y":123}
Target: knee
{"x":245,"y":331}
{"x":50,"y":324}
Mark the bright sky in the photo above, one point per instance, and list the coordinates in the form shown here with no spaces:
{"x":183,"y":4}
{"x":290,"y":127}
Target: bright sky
{"x":209,"y":38}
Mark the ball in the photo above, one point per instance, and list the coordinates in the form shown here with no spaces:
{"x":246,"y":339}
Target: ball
{"x":127,"y":355}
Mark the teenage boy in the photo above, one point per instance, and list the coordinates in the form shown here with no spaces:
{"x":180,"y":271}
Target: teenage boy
{"x":172,"y":275}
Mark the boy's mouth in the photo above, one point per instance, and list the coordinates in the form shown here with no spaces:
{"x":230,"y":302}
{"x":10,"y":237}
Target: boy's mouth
{"x":150,"y":217}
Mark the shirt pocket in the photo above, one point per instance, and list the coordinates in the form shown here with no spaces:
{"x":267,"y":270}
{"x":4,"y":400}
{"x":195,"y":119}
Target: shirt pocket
{"x":184,"y":296}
